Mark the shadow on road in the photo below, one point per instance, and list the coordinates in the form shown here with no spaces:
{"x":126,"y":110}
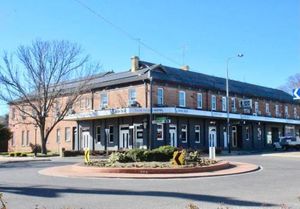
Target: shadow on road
{"x":56,"y":192}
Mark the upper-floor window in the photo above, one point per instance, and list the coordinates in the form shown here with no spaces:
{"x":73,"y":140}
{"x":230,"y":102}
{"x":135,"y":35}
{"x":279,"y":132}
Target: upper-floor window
{"x":88,"y":102}
{"x":267,"y":108}
{"x":277,"y":110}
{"x":27,"y":138}
{"x":256,"y":107}
{"x":184,"y":133}
{"x":160,"y":96}
{"x":181,"y":98}
{"x":224,"y":105}
{"x":233,"y":105}
{"x":199,"y":100}
{"x":197,"y":133}
{"x":213,"y":102}
{"x":295,"y":112}
{"x":67,"y":134}
{"x":132,"y":96}
{"x":286,"y":111}
{"x":104,"y":100}
{"x":81,"y":103}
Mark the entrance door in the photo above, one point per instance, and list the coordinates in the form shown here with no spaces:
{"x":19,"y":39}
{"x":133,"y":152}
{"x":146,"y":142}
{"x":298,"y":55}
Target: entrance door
{"x":275,"y":134}
{"x":234,"y":136}
{"x":173,"y":135}
{"x":85,"y":140}
{"x":124,"y":137}
{"x":212,"y":136}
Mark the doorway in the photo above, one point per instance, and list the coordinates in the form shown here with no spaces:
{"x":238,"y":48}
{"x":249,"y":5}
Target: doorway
{"x":173,"y":135}
{"x":85,"y":140}
{"x":234,"y":136}
{"x":212,"y":136}
{"x":124,"y":137}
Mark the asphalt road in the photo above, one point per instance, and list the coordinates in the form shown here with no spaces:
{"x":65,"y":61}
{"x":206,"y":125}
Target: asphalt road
{"x":278,"y":183}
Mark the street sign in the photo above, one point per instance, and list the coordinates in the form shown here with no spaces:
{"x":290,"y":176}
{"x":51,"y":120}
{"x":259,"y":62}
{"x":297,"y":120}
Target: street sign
{"x":161,"y":120}
{"x":296,"y":93}
{"x":179,"y":157}
{"x":86,"y":155}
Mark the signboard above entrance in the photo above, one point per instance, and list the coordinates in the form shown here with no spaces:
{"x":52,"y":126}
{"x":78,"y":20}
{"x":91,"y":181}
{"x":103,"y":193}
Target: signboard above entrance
{"x":296,"y":94}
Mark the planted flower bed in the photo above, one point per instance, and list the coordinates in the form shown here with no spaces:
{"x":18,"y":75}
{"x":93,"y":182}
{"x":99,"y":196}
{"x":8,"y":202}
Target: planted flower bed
{"x":157,"y":158}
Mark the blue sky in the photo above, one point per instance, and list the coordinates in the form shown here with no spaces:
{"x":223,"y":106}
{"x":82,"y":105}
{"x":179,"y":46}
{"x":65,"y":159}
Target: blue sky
{"x":267,"y":32}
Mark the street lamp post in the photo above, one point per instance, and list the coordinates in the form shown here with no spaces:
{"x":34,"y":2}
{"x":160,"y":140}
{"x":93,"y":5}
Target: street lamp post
{"x":151,"y":112}
{"x":227,"y":100}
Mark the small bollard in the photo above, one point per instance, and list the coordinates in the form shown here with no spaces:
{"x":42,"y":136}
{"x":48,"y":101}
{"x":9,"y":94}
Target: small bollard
{"x":62,"y":152}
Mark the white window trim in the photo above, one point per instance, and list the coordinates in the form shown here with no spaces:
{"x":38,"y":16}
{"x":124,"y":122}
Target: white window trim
{"x":58,"y":131}
{"x":129,"y":95}
{"x":162,"y":96}
{"x":256,"y":107}
{"x":213,"y":98}
{"x":67,"y":128}
{"x":184,"y":130}
{"x":199,"y":131}
{"x":101,"y":101}
{"x":162,"y":131}
{"x":97,"y":134}
{"x":224,"y":104}
{"x":184,"y":101}
{"x":199,"y":95}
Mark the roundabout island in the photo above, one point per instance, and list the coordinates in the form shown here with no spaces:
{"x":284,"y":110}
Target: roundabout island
{"x":162,"y":163}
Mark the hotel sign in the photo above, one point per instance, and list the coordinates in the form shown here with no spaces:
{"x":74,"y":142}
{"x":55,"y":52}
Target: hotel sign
{"x":296,"y":94}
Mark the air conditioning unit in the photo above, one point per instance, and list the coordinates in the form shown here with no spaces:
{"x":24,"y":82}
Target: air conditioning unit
{"x":247,"y":103}
{"x":133,"y":103}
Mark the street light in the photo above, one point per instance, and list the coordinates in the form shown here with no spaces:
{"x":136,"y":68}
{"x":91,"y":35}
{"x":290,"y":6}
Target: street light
{"x":227,"y":99}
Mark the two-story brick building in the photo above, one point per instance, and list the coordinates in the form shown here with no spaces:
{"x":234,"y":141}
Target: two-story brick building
{"x":187,"y":109}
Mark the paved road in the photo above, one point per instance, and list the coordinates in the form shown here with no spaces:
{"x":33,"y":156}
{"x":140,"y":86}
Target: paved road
{"x":277,"y":183}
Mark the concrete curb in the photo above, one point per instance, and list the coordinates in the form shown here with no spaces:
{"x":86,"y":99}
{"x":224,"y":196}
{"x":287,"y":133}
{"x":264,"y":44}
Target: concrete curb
{"x":25,"y":160}
{"x":72,"y":171}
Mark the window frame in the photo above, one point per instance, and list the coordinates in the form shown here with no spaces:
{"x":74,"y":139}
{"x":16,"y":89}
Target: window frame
{"x":98,"y":134}
{"x":23,"y":138}
{"x":181,"y":92}
{"x":233,"y":104}
{"x":160,"y":129}
{"x":267,"y":108}
{"x":67,"y":130}
{"x":199,"y":101}
{"x":256,"y":107}
{"x":183,"y":130}
{"x":198,"y":140}
{"x":102,"y":95}
{"x":160,"y":98}
{"x":130,"y":93}
{"x":213,"y":104}
{"x":58,"y":136}
{"x":27,"y":137}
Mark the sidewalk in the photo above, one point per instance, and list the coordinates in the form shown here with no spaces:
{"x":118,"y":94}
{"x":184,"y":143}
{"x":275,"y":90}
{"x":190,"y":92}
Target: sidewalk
{"x":5,"y":159}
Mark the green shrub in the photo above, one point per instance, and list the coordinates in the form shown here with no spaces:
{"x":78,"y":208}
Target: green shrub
{"x":11,"y":154}
{"x":119,"y":157}
{"x":23,"y":155}
{"x":136,"y":155}
{"x":18,"y":154}
{"x":72,"y":153}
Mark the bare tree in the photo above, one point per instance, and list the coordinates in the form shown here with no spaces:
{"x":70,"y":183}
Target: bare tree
{"x":293,"y":82}
{"x":44,"y":75}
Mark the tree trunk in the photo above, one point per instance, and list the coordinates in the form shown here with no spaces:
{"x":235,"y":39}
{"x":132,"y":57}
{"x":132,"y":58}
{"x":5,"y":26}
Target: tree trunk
{"x":43,"y":141}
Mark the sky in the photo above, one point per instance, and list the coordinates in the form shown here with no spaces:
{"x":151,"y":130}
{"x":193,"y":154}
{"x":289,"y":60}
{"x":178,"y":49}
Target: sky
{"x":198,"y":33}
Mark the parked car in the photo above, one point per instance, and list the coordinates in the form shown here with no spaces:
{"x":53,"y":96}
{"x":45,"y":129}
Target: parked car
{"x":287,"y":142}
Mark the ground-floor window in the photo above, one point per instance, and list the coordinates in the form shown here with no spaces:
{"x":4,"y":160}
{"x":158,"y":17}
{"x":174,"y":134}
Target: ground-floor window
{"x":58,"y":135}
{"x":23,"y":138}
{"x":184,"y":133}
{"x":160,"y":131}
{"x":197,"y":133}
{"x":259,"y":133}
{"x":247,"y":133}
{"x":269,"y":137}
{"x":111,"y":134}
{"x":67,"y":134}
{"x":98,"y":134}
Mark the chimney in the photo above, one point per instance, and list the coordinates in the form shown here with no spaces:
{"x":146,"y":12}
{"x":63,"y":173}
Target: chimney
{"x":134,"y":63}
{"x":185,"y":67}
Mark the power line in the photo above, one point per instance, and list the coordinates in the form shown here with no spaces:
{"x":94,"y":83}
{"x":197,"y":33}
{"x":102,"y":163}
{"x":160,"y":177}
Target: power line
{"x":124,"y":32}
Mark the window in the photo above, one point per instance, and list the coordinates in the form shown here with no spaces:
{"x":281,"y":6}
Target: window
{"x":23,"y":138}
{"x":213,"y":102}
{"x":224,"y":104}
{"x":104,"y":100}
{"x":98,"y":134}
{"x":247,"y":133}
{"x":88,"y":102}
{"x":27,"y":138}
{"x":295,"y":112}
{"x":184,"y":133}
{"x":67,"y":134}
{"x":160,"y":131}
{"x":181,"y":99}
{"x":233,"y":106}
{"x":277,"y":110}
{"x":160,"y":96}
{"x":81,"y":101}
{"x":267,"y":108}
{"x":197,"y":133}
{"x":23,"y":110}
{"x":199,"y":100}
{"x":58,"y":135}
{"x":111,"y":134}
{"x":286,"y":111}
{"x":259,"y":133}
{"x":256,"y":108}
{"x":132,"y":96}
